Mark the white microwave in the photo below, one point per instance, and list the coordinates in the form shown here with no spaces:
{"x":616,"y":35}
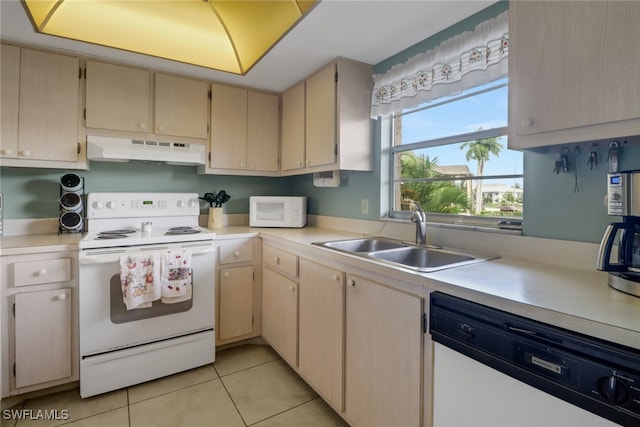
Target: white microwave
{"x":278,"y":211}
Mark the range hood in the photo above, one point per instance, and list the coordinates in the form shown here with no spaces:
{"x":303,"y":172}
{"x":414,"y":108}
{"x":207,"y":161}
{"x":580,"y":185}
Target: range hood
{"x":109,"y":149}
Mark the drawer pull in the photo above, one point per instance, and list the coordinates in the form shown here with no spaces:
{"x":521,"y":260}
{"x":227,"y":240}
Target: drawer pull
{"x":62,"y":296}
{"x":42,"y":272}
{"x":236,"y":254}
{"x":277,"y":260}
{"x":227,"y":274}
{"x":351,"y":282}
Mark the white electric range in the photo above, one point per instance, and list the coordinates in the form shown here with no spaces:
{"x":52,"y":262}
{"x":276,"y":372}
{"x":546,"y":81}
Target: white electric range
{"x":124,"y":340}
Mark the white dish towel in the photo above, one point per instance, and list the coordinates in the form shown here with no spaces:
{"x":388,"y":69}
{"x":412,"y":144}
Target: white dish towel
{"x":175,"y":276}
{"x":139,"y":280}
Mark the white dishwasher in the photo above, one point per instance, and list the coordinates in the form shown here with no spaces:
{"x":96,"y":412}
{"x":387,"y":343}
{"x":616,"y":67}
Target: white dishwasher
{"x":492,"y":368}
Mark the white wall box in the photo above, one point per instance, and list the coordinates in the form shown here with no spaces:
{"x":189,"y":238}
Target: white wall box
{"x":333,"y":132}
{"x":573,"y":73}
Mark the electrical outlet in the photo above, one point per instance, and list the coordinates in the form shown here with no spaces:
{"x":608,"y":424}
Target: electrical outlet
{"x":365,"y":206}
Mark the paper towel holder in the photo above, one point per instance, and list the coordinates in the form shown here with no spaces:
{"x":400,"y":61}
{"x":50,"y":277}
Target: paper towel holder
{"x":326,"y":179}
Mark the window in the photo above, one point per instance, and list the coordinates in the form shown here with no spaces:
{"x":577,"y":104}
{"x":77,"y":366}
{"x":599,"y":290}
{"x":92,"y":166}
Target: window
{"x":450,"y":156}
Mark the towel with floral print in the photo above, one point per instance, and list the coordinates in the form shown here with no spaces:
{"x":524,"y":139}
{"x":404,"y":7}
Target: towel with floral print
{"x":139,"y":275}
{"x":175,"y":276}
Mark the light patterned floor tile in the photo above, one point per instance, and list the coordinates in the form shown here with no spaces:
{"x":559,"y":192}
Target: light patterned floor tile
{"x":171,"y":383}
{"x":115,"y":418}
{"x":266,"y":390}
{"x":206,"y":404}
{"x":311,"y":414}
{"x":76,"y":406}
{"x":238,"y":358}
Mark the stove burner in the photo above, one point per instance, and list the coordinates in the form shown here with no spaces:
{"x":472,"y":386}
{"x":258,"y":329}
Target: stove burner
{"x":111,"y":236}
{"x":181,"y":230}
{"x":120,"y":232}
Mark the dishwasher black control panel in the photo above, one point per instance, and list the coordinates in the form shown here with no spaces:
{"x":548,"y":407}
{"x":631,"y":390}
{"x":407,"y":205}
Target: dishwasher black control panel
{"x":596,"y":375}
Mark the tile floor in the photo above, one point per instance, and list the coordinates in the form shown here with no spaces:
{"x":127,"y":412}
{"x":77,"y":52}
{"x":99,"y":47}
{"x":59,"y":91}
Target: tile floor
{"x":248,"y":385}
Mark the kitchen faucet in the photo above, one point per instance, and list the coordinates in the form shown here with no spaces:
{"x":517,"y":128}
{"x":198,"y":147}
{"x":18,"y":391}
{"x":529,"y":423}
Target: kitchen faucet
{"x":420,"y":218}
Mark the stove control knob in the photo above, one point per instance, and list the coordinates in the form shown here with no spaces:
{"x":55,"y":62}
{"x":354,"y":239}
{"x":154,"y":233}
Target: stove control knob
{"x":181,"y":204}
{"x":98,"y":205}
{"x":614,"y":390}
{"x":192,"y":203}
{"x":111,"y":205}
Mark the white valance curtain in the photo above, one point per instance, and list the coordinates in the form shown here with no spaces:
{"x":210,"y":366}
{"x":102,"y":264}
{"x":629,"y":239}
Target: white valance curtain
{"x":469,"y":59}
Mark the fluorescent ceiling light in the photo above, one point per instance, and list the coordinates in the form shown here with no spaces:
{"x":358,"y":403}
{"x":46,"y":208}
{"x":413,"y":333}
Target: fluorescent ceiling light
{"x":226,"y":35}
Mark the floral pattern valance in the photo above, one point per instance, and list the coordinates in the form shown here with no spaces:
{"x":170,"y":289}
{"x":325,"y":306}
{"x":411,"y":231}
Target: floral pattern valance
{"x":469,"y":59}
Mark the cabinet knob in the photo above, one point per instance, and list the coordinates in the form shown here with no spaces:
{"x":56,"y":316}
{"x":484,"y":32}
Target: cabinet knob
{"x":277,"y":260}
{"x":241,"y":164}
{"x":42,"y":272}
{"x":62,"y":296}
{"x":526,"y":123}
{"x":160,"y":128}
{"x":7,"y":152}
{"x":236,"y":254}
{"x":351,"y":282}
{"x":335,"y":277}
{"x":25,"y":153}
{"x":227,"y":274}
{"x":292,"y":288}
{"x":142,"y":126}
{"x":300,"y":163}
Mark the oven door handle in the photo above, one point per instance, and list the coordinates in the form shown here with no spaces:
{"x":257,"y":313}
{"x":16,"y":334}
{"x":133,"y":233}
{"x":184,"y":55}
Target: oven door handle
{"x":89,"y":257}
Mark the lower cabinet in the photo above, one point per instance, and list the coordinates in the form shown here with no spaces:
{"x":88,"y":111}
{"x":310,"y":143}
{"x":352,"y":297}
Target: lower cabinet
{"x":321,"y":333}
{"x":358,"y":342}
{"x":238,"y":290}
{"x":39,"y":318}
{"x":280,"y":314}
{"x":383,"y":355}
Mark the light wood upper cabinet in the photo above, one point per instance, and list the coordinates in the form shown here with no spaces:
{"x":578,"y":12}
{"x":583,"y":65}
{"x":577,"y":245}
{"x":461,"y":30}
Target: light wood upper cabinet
{"x":10,"y":74}
{"x":118,"y":97}
{"x":49,"y":106}
{"x":383,"y":368}
{"x":333,"y":132}
{"x":573,"y":71}
{"x":321,"y":330}
{"x":244,"y":131}
{"x":181,"y":106}
{"x":292,"y":145}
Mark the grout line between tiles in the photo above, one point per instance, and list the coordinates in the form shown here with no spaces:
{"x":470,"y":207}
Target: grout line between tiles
{"x":282,"y":412}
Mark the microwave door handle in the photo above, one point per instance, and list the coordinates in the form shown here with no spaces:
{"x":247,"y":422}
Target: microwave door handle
{"x":603,"y":261}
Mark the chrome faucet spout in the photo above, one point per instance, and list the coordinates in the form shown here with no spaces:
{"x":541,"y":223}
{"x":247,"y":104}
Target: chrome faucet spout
{"x":419,"y":217}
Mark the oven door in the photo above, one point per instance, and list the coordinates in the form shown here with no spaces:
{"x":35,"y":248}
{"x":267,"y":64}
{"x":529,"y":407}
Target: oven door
{"x":105,"y":323}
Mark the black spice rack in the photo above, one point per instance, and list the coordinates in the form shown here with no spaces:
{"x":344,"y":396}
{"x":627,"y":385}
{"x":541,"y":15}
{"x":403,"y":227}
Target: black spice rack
{"x":72,"y":218}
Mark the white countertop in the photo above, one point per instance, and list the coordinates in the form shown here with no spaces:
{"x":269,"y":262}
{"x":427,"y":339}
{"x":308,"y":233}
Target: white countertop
{"x":579,"y":300}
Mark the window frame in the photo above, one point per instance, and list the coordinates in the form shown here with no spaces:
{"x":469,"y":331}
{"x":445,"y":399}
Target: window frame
{"x":510,"y":225}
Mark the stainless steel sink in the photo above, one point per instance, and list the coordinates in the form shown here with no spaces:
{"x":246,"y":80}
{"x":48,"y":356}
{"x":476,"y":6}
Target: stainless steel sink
{"x":364,"y":245}
{"x":403,"y":254}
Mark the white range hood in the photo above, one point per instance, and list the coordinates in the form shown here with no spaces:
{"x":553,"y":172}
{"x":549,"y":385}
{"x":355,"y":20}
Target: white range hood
{"x":109,"y":149}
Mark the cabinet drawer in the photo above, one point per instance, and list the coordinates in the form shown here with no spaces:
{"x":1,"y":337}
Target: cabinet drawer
{"x":41,"y":271}
{"x":281,"y":260}
{"x":236,"y":253}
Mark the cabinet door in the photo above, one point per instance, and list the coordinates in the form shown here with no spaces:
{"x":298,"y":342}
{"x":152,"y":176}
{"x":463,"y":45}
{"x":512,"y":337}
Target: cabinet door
{"x":49,"y":106}
{"x":292,"y":148}
{"x":228,"y":127}
{"x":280,"y":314}
{"x":117,"y":97}
{"x":383,"y":355}
{"x":320,"y":121}
{"x":10,"y":83}
{"x":262,"y":131}
{"x":42,"y":336}
{"x":322,"y":330}
{"x":181,"y":107}
{"x":571,"y":67}
{"x":236,"y":302}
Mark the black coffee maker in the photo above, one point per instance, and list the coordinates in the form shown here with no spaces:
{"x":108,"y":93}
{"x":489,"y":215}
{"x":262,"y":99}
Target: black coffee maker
{"x":619,"y":251}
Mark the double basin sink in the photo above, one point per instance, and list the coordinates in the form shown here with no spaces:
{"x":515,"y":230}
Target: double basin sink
{"x":419,"y":258}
